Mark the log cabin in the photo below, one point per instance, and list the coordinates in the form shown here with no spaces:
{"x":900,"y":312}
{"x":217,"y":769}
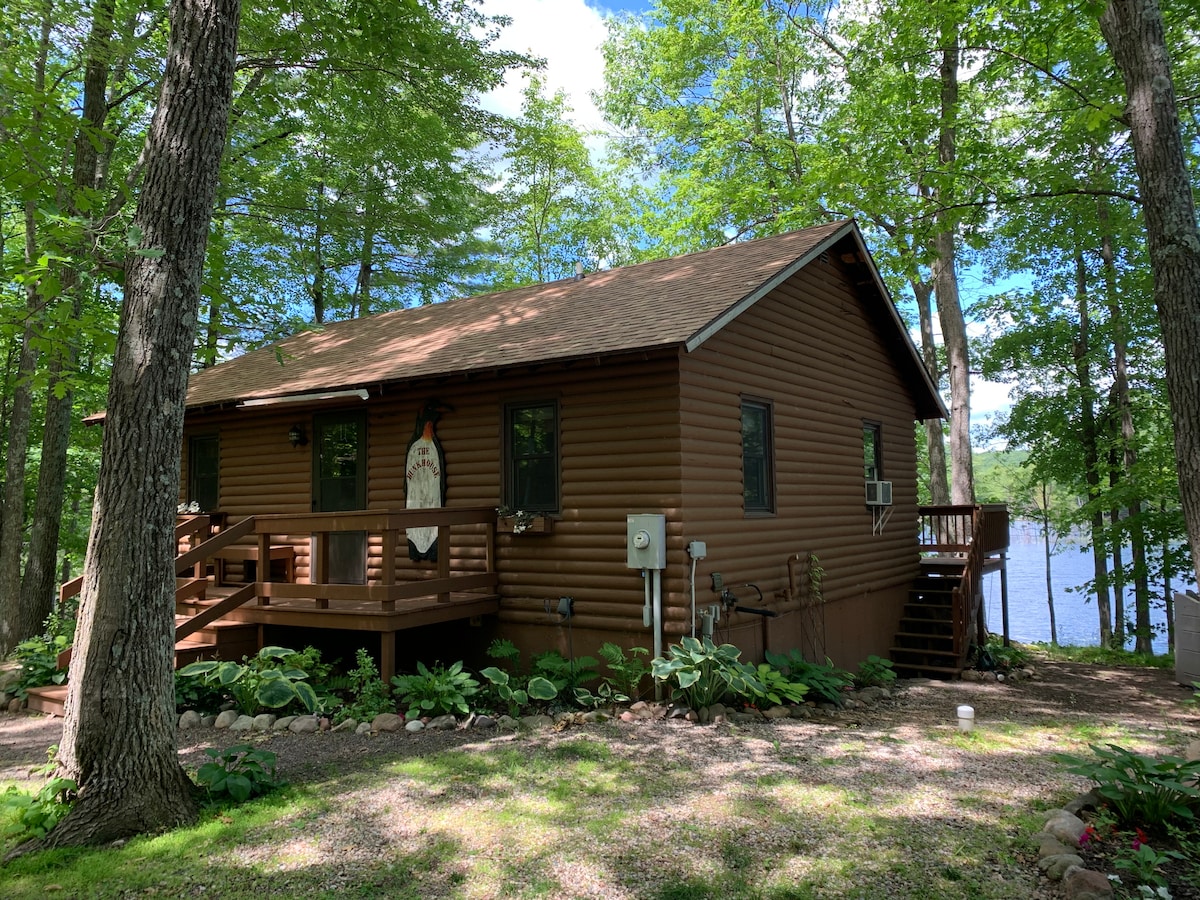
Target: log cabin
{"x":720,"y":443}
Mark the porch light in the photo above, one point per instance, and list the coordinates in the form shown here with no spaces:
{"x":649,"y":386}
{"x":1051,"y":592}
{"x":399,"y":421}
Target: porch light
{"x":297,"y":436}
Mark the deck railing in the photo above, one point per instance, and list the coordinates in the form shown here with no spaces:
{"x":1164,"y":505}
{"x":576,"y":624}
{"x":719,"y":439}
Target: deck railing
{"x":389,"y":527}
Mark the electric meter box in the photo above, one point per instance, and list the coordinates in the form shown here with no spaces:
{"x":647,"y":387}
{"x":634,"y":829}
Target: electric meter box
{"x":646,"y":541}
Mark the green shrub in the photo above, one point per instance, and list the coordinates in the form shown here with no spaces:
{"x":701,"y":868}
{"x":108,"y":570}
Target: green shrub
{"x":262,"y":681}
{"x":626,"y":672}
{"x":238,"y":773}
{"x":370,"y":694}
{"x":507,"y":690}
{"x":874,"y":671}
{"x":1140,"y":790}
{"x":32,"y":816}
{"x":437,"y":691}
{"x":700,"y":673}
{"x":38,"y":656}
{"x":506,"y":652}
{"x":565,"y":674}
{"x":777,"y":688}
{"x":826,"y":682}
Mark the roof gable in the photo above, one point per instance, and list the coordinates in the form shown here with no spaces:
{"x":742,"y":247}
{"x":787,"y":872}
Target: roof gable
{"x":669,"y":302}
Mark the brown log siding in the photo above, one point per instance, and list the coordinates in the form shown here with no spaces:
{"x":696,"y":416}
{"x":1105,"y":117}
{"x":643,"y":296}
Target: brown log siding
{"x":657,"y":433}
{"x":812,"y":350}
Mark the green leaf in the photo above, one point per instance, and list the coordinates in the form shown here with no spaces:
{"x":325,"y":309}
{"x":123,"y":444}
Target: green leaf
{"x":542,"y":689}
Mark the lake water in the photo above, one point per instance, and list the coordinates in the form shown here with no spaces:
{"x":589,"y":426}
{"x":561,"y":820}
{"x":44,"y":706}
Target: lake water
{"x":1075,"y":612}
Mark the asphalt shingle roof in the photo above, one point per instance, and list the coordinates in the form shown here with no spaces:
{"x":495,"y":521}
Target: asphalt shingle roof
{"x":655,"y":304}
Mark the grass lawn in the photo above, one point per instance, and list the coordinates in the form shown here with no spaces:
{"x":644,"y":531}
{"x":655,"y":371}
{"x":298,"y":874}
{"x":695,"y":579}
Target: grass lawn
{"x":891,"y":802}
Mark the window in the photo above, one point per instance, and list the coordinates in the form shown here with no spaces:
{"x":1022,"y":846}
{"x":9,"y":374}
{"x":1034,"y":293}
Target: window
{"x":531,"y":457}
{"x":872,"y":452}
{"x":203,"y":466}
{"x":758,"y":457}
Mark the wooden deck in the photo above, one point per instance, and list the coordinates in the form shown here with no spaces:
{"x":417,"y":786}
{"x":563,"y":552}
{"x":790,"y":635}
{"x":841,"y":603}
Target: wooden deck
{"x":212,"y":613}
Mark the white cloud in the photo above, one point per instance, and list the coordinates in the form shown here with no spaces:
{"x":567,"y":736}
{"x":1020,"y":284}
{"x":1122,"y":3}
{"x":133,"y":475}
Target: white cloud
{"x":567,"y":34}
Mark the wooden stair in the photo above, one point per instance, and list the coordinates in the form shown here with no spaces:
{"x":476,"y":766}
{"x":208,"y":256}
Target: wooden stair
{"x":219,"y":639}
{"x":924,"y":645}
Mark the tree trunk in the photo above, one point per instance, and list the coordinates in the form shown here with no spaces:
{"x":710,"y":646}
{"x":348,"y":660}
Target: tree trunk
{"x":1049,"y":556}
{"x":1134,"y":32}
{"x":1091,"y":450}
{"x":12,"y":505}
{"x":935,"y":444}
{"x":119,"y":734}
{"x":37,"y":587}
{"x":945,"y":277}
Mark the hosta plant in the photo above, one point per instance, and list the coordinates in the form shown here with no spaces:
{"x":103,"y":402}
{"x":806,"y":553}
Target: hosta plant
{"x":509,"y":692}
{"x":700,"y":673}
{"x":825,"y":681}
{"x":263,"y":681}
{"x":777,"y":688}
{"x":1140,"y":790}
{"x":238,"y":773}
{"x":436,"y":692}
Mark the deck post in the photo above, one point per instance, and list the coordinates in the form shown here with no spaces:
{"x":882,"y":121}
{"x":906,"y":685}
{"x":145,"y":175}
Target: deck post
{"x":443,"y":560}
{"x":1004,"y":595}
{"x":387,"y":656}
{"x":263,"y":572}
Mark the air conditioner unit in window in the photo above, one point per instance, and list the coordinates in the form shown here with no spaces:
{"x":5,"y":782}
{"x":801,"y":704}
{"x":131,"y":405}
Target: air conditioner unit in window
{"x":879,"y":493}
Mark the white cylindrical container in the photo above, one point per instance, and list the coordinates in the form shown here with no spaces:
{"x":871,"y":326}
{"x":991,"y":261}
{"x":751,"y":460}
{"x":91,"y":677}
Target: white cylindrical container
{"x":966,"y":718}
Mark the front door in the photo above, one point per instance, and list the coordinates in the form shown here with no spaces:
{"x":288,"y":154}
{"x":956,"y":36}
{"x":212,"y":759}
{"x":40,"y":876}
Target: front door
{"x":340,"y":483}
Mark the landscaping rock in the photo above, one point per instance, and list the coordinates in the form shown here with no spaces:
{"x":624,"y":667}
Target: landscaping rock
{"x":537,"y":721}
{"x":413,"y":726}
{"x":208,"y":721}
{"x":14,"y":705}
{"x":1192,"y":752}
{"x":507,"y":722}
{"x":363,"y":728}
{"x":242,"y":723}
{"x":717,"y":709}
{"x":800,"y":712}
{"x":189,"y":720}
{"x":264,"y":721}
{"x":348,"y":725}
{"x":8,"y":678}
{"x":628,"y":715}
{"x":703,"y":715}
{"x":872,"y":694}
{"x":745,"y":718}
{"x":5,"y":699}
{"x":1056,"y":867}
{"x":1065,"y":826}
{"x":1090,"y":800}
{"x":387,"y":722}
{"x":591,"y":717}
{"x":304,"y":725}
{"x":1049,"y":845}
{"x":777,"y":712}
{"x":226,"y":719}
{"x":1085,"y":884}
{"x":283,"y":724}
{"x":324,"y":723}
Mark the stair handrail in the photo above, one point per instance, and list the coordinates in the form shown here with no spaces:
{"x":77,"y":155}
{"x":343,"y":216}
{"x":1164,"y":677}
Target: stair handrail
{"x":183,"y":562}
{"x":218,"y":541}
{"x":187,"y":526}
{"x":241,"y":596}
{"x":966,"y":609}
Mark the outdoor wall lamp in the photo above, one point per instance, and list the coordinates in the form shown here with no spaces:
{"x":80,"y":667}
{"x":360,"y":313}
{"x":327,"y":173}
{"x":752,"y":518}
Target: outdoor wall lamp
{"x":297,"y":436}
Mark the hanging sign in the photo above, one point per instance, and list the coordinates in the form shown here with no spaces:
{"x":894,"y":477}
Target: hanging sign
{"x":425,"y":478}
